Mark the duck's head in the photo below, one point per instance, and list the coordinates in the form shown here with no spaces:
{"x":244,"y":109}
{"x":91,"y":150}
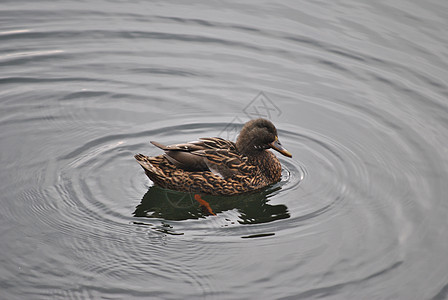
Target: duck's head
{"x":258,"y":135}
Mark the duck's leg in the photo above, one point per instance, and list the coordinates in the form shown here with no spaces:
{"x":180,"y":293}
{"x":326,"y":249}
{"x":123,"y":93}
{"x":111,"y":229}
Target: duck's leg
{"x":204,"y":204}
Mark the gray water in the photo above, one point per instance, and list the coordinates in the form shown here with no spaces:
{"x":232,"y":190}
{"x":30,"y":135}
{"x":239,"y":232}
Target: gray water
{"x":358,"y":92}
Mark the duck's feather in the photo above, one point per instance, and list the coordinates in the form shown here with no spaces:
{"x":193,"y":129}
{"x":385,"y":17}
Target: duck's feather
{"x":208,"y":154}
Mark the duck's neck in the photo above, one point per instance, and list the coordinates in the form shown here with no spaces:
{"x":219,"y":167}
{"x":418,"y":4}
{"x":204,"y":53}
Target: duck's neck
{"x":268,"y":163}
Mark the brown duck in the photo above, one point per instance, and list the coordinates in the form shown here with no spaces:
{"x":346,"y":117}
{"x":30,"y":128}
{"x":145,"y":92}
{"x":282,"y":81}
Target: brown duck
{"x":219,"y":167}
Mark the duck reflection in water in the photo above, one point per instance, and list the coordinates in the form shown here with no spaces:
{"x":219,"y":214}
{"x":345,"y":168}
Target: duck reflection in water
{"x":253,"y":208}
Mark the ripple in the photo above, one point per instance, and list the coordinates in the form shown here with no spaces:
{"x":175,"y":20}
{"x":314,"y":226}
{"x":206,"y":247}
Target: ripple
{"x":90,"y":172}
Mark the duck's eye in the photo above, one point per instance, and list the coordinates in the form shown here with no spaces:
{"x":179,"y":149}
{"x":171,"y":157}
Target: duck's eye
{"x":260,"y":147}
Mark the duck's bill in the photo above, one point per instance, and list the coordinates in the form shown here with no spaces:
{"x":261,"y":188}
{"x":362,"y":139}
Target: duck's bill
{"x":276,"y":145}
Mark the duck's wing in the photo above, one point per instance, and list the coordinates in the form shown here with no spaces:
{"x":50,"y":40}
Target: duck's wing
{"x":201,"y":144}
{"x":226,"y":163}
{"x":207,"y":154}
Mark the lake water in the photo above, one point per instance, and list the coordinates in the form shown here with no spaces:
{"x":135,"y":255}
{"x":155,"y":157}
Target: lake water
{"x":357,"y":90}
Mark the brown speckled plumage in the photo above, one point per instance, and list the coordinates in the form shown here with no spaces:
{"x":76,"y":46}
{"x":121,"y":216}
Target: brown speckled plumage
{"x":216,"y":166}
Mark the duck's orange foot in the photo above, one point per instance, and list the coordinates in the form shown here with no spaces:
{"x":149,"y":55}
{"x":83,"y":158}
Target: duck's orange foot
{"x":204,"y":204}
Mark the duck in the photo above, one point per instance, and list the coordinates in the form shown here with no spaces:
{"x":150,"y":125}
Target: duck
{"x":215,"y":166}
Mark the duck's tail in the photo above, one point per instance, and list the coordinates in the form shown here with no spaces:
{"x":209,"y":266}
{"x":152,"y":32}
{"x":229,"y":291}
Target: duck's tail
{"x":150,"y":170}
{"x":144,"y":162}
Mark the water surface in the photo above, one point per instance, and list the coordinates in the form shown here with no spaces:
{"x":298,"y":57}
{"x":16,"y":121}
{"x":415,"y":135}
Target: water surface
{"x":358,"y":92}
